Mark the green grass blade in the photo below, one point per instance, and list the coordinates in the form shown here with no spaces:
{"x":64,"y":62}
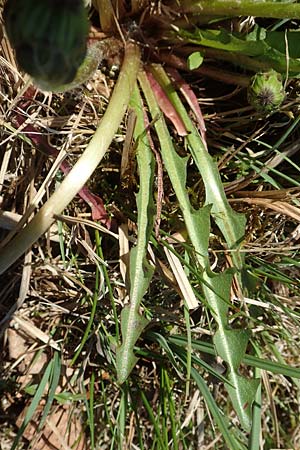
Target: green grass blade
{"x":94,"y":307}
{"x":253,"y":361}
{"x":91,"y":411}
{"x":255,"y":438}
{"x":54,"y":380}
{"x":132,"y":322}
{"x":173,"y":350}
{"x":154,"y":421}
{"x":163,"y":402}
{"x":108,"y":285}
{"x":219,"y":418}
{"x":189,"y":349}
{"x":118,"y":426}
{"x":87,"y":330}
{"x":171,"y":409}
{"x":135,"y":405}
{"x":122,"y":415}
{"x":255,"y":435}
{"x":34,"y":403}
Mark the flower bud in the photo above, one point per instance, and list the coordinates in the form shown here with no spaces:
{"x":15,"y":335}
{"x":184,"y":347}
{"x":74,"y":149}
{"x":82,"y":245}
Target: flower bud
{"x":266,"y":91}
{"x":49,"y":37}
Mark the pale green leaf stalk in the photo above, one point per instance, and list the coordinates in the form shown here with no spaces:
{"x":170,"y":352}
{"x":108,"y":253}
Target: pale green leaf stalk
{"x":132,"y":322}
{"x":230,"y":344}
{"x":84,"y":167}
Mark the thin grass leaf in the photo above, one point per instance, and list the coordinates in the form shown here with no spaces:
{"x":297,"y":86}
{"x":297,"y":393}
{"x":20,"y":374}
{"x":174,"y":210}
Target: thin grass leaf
{"x":153,"y":420}
{"x":277,"y":354}
{"x":189,"y":350}
{"x":173,"y":350}
{"x":87,"y":330}
{"x":163,"y":401}
{"x":220,"y":419}
{"x":34,"y":403}
{"x":132,"y":322}
{"x":122,"y":415}
{"x":255,"y":435}
{"x":172,"y":411}
{"x":106,"y":406}
{"x":94,"y":306}
{"x":253,"y":361}
{"x":136,"y":409}
{"x":54,"y":380}
{"x":90,"y":411}
{"x":108,"y":285}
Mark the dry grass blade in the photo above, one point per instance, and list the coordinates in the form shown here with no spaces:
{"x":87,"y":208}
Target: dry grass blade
{"x":124,"y":251}
{"x":35,"y":333}
{"x":283,"y":208}
{"x":182,"y":279}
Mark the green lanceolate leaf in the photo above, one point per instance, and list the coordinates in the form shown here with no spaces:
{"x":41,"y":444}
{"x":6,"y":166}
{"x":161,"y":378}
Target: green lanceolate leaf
{"x":132,"y":322}
{"x":231,"y":223}
{"x":231,"y":345}
{"x":216,"y":287}
{"x":49,"y":37}
{"x":258,"y":50}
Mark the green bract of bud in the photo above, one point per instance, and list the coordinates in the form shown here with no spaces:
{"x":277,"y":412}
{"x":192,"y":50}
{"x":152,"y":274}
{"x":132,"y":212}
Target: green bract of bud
{"x":49,"y":37}
{"x":266,"y":91}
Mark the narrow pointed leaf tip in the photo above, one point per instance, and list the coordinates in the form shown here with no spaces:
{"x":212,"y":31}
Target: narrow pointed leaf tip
{"x":132,"y":325}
